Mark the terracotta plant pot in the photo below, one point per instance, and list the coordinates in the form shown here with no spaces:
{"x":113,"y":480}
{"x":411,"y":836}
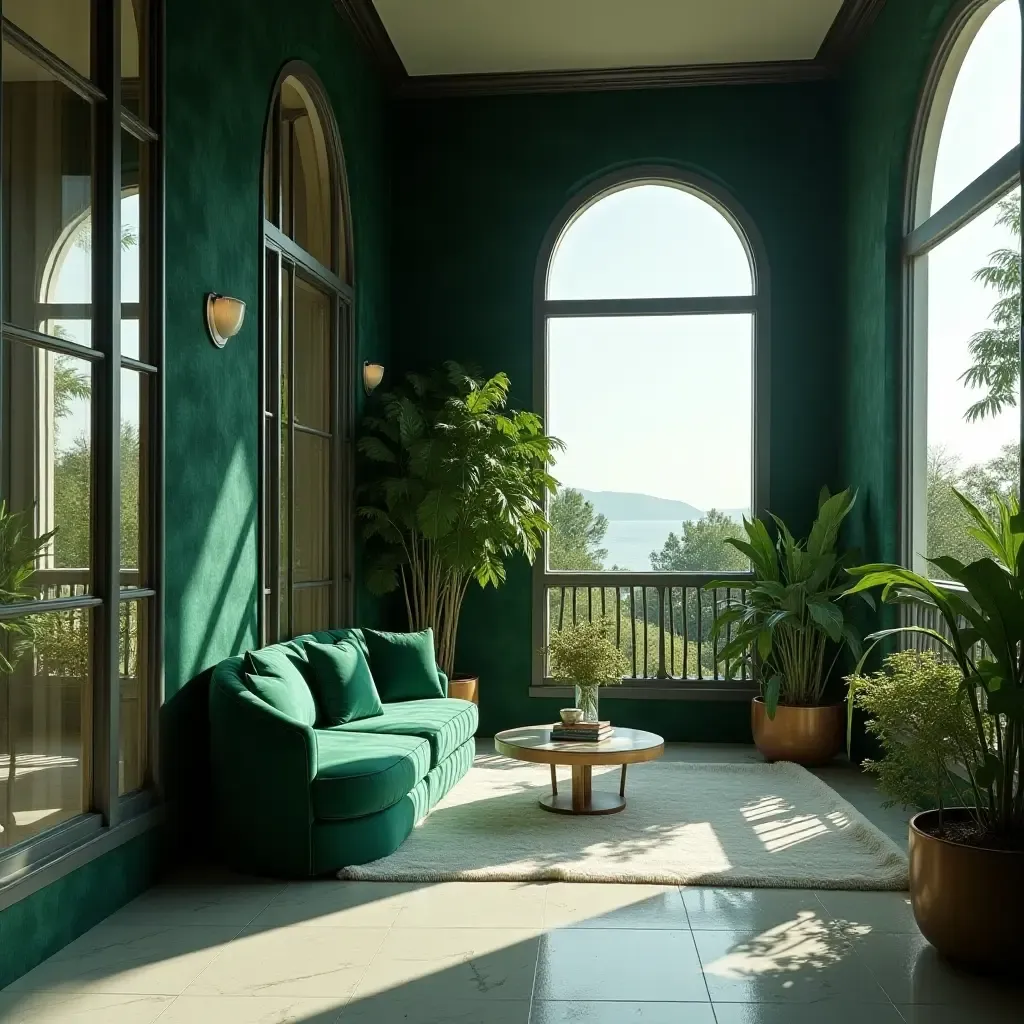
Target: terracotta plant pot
{"x":968,"y":900}
{"x":465,"y":688}
{"x":806,"y":735}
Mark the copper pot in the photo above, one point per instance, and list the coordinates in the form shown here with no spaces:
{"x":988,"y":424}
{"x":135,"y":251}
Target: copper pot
{"x":465,"y":688}
{"x":968,"y":900}
{"x":806,"y":735}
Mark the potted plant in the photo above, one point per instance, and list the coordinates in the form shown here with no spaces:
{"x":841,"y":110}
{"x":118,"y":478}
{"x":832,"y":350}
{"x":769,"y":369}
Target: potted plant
{"x":585,"y":655}
{"x":457,"y":486}
{"x":786,"y":621}
{"x":967,"y":862}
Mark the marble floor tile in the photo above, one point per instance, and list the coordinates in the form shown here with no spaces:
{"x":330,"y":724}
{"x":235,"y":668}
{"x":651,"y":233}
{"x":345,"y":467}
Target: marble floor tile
{"x":333,"y":904}
{"x":576,"y":1011}
{"x":80,"y":1008}
{"x":580,"y":905}
{"x":252,"y":1010}
{"x":473,"y":905}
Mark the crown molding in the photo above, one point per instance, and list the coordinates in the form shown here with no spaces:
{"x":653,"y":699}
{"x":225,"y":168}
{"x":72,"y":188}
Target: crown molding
{"x":855,"y":17}
{"x":374,"y":37}
{"x":607,"y":79}
{"x":851,"y":22}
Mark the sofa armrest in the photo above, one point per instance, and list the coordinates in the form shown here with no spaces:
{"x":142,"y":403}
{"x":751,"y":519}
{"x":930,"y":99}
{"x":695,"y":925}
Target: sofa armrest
{"x":443,"y":680}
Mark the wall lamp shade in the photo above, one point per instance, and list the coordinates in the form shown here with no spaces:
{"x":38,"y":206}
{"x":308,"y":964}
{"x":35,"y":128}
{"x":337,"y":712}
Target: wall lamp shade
{"x":224,"y":317}
{"x":373,"y":374}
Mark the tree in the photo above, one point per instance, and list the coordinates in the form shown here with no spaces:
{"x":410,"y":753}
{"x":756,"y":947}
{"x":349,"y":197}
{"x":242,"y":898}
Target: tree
{"x":702,"y":546}
{"x":996,"y":349}
{"x":577,"y":532}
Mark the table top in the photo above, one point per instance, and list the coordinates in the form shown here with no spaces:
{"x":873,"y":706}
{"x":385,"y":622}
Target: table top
{"x":624,"y":746}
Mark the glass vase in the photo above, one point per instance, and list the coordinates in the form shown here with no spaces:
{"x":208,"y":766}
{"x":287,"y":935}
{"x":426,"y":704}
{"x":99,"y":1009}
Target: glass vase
{"x":586,"y":701}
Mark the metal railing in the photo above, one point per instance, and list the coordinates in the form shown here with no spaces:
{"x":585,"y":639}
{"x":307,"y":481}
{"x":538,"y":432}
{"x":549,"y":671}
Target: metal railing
{"x":662,"y":622}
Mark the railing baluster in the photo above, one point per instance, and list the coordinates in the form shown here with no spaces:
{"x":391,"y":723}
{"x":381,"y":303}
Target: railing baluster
{"x":714,"y":635}
{"x":632,"y":623}
{"x":662,"y":674}
{"x":618,"y":617}
{"x":561,"y":610}
{"x":686,"y":634}
{"x":700,"y":633}
{"x":672,"y":631}
{"x":573,"y":606}
{"x":643,"y":605}
{"x":603,"y":613}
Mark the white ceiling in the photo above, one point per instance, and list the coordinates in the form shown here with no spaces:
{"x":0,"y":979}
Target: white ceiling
{"x":451,"y":37}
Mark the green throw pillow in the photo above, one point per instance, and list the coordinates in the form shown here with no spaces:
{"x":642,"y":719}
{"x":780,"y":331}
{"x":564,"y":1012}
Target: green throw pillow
{"x":288,"y":694}
{"x":403,"y":665}
{"x":342,"y":681}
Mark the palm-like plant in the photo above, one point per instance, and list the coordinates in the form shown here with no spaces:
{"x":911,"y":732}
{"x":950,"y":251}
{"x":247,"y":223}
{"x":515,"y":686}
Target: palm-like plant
{"x":984,"y":635}
{"x":458,"y":486}
{"x":785,"y":619}
{"x":19,"y":548}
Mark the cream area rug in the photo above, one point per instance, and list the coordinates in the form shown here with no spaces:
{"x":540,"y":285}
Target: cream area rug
{"x":750,"y":825}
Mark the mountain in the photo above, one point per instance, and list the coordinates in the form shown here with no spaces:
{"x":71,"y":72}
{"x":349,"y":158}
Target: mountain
{"x":617,"y":505}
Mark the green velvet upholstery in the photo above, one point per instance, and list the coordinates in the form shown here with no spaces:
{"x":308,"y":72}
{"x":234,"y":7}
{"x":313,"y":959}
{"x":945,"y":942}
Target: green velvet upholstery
{"x":403,"y":664}
{"x":361,"y":773}
{"x":273,"y":675}
{"x":444,"y":722}
{"x":295,"y":801}
{"x":341,"y":682}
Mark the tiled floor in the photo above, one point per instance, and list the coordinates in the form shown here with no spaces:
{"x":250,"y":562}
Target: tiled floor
{"x":235,"y":951}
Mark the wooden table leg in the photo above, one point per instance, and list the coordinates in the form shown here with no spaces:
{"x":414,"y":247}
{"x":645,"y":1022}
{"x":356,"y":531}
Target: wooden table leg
{"x":622,"y":782}
{"x":554,"y":782}
{"x":581,"y":775}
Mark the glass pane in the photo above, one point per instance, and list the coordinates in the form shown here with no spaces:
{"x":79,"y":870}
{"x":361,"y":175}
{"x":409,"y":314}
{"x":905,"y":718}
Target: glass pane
{"x":44,"y":723}
{"x":133,"y":755}
{"x":312,"y":609}
{"x":973,"y":424}
{"x":307,"y":178}
{"x":641,"y":490}
{"x":134,"y":444}
{"x":133,"y":48}
{"x":649,"y":241}
{"x":982,"y":121}
{"x":134,"y":243}
{"x":47,"y":460}
{"x":62,"y":26}
{"x":47,"y":183}
{"x":312,"y":550}
{"x":312,"y":356}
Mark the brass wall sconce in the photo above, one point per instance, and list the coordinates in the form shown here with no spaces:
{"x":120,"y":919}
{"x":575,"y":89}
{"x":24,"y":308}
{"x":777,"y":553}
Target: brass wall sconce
{"x":224,"y":317}
{"x":373,"y":374}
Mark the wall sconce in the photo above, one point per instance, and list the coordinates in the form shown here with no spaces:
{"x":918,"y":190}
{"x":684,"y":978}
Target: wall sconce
{"x":224,"y":317}
{"x":373,"y":374}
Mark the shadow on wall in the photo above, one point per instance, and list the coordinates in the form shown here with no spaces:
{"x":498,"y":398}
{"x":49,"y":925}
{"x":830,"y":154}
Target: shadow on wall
{"x":215,"y":618}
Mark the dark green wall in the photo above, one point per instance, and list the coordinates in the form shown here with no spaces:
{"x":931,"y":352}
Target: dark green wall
{"x":880,"y":95}
{"x":479,"y":181}
{"x":39,"y":925}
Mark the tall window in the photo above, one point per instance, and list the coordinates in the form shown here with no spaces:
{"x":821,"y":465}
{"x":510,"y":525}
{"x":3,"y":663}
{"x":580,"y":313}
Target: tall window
{"x":80,"y":360}
{"x":306,"y":366}
{"x":963,"y":272}
{"x":648,"y":312}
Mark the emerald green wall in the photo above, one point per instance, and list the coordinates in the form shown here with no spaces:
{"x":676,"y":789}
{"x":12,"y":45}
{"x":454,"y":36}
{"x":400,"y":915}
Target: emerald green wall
{"x":880,"y":94}
{"x":479,"y":181}
{"x":39,"y":925}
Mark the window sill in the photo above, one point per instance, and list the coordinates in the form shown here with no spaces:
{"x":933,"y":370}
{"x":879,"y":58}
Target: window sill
{"x":660,"y":689}
{"x":45,"y":862}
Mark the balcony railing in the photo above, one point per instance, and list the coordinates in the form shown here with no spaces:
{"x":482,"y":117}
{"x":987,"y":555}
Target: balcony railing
{"x":662,"y":623}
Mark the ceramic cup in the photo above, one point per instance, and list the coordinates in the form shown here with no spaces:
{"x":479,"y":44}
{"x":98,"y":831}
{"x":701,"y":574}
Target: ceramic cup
{"x":570,"y":716}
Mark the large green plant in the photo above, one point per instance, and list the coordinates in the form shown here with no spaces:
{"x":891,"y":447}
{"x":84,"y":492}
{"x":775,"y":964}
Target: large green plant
{"x":19,"y":548}
{"x":786,"y":619}
{"x":984,"y":635}
{"x":457,"y":486}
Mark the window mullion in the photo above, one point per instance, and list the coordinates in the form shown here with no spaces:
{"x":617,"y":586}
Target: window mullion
{"x":106,"y":235}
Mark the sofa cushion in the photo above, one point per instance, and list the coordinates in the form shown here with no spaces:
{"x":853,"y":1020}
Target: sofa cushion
{"x":403,"y":665}
{"x":362,"y":773}
{"x":445,"y":723}
{"x":341,"y":682}
{"x":273,"y":675}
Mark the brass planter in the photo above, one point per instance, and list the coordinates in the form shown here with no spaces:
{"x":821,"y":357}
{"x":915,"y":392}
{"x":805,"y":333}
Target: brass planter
{"x":806,"y":735}
{"x":968,"y":901}
{"x":465,"y":688}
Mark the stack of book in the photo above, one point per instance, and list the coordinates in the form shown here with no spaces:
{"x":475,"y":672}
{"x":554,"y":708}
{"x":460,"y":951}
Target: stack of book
{"x":587,"y":731}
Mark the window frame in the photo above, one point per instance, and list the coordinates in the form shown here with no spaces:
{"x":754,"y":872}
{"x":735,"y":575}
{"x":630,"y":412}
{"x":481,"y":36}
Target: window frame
{"x":757,"y":304}
{"x":110,"y":818}
{"x":923,"y":231}
{"x":278,"y":251}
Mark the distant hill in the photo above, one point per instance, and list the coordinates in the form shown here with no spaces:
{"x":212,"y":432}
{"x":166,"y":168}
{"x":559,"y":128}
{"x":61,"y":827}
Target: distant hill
{"x":623,"y":505}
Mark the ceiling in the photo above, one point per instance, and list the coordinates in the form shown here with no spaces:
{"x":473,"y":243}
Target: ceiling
{"x":465,"y":37}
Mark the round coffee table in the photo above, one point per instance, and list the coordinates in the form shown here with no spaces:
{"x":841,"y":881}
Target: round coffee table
{"x":624,"y":747}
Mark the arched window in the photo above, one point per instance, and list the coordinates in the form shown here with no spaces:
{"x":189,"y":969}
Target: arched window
{"x":962,"y":250}
{"x":650,"y":304}
{"x":306,"y":372}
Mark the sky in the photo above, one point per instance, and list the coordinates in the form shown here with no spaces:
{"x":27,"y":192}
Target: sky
{"x":662,"y":405}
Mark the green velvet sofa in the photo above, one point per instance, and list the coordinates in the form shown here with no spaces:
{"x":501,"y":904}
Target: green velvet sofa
{"x":296,"y":800}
